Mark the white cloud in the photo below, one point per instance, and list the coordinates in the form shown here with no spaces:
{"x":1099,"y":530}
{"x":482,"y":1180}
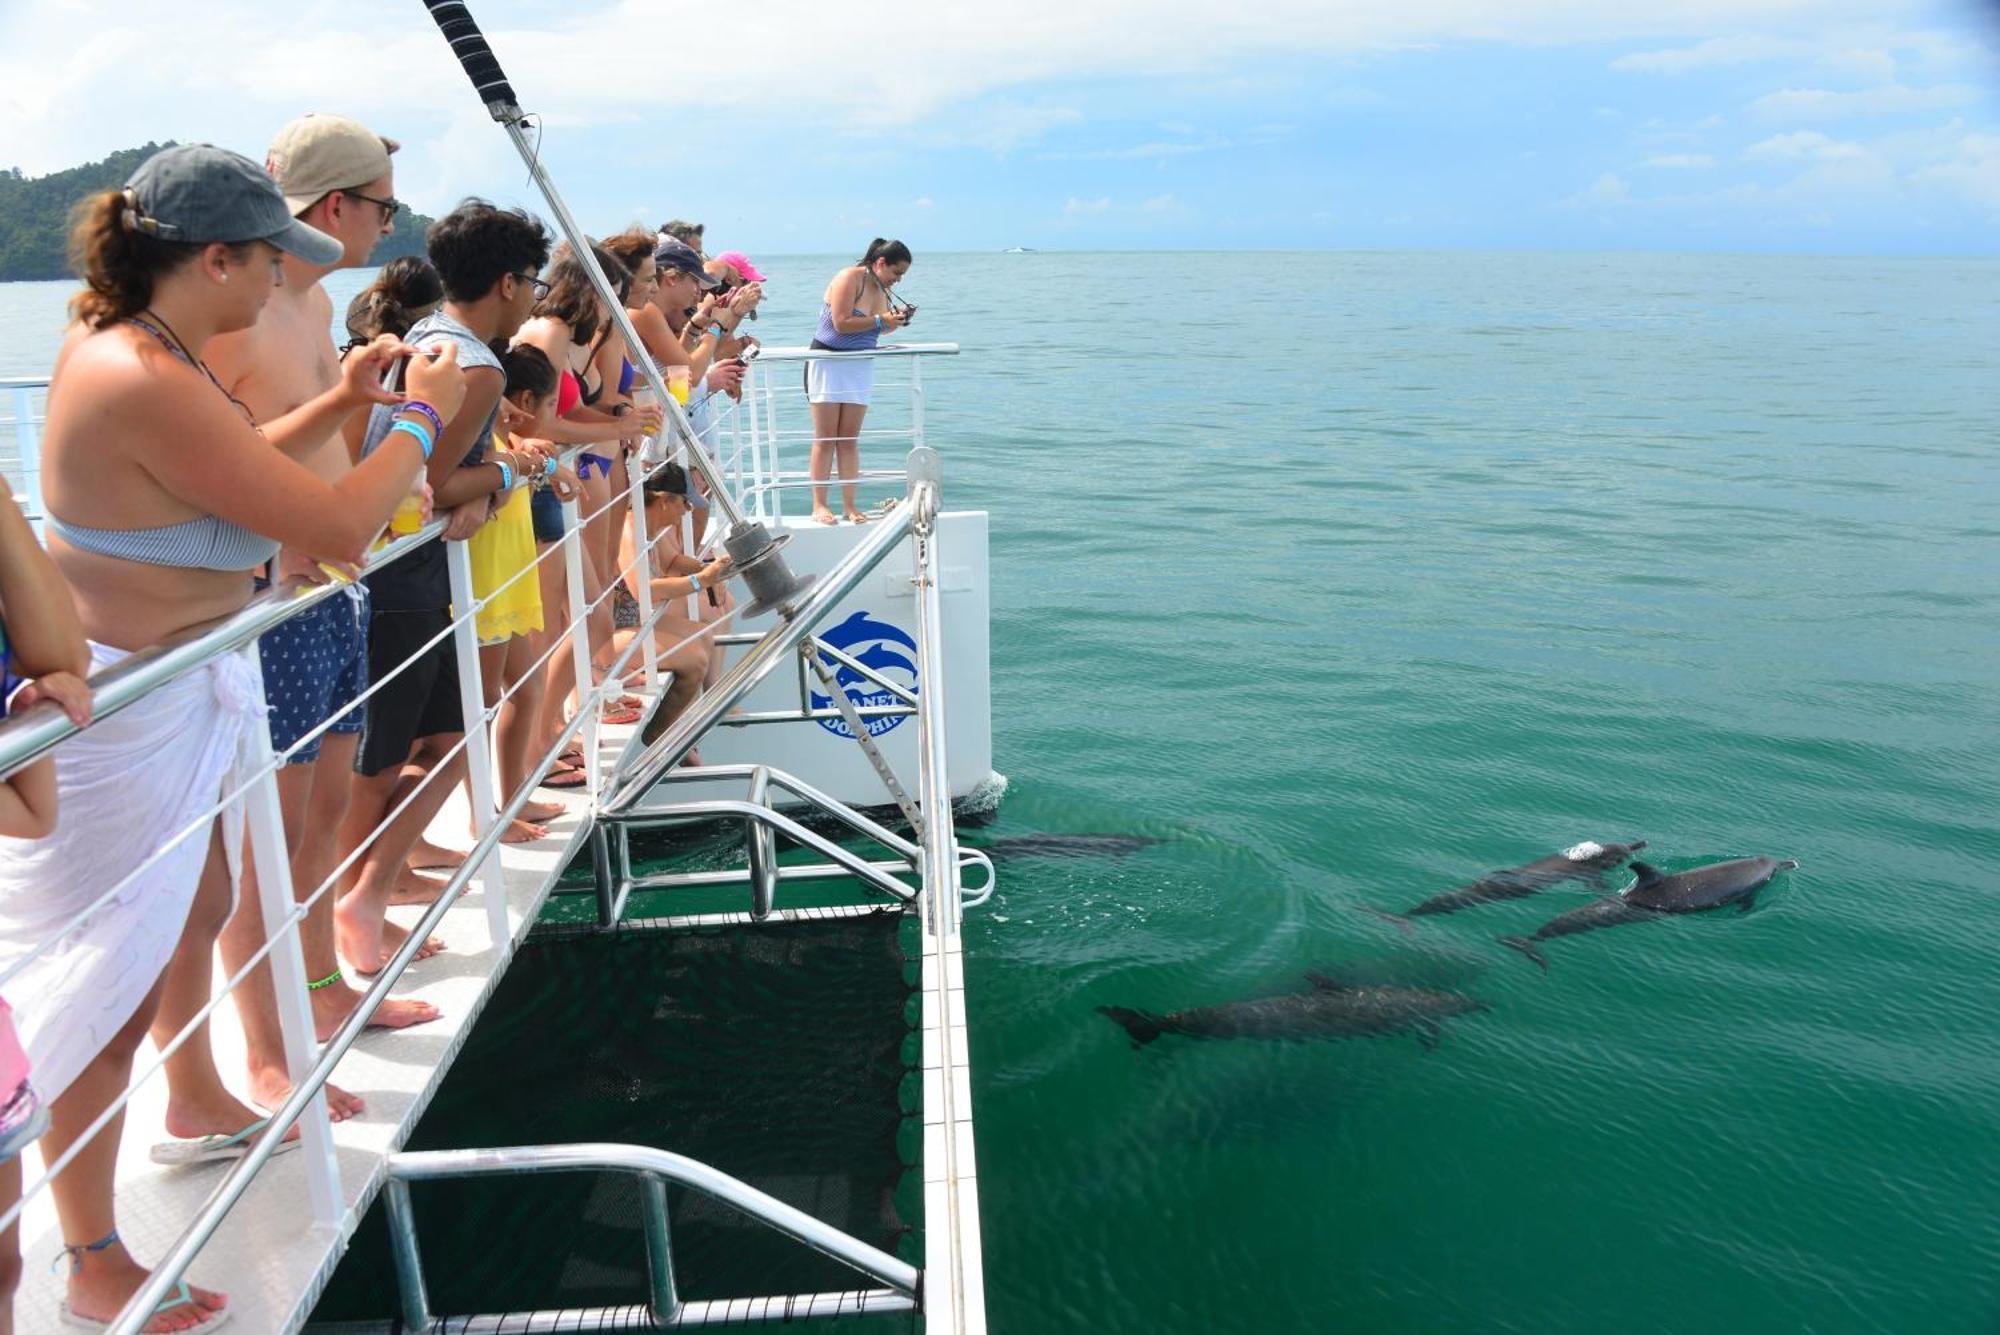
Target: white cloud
{"x":925,"y":202}
{"x":1160,"y":204}
{"x":1796,"y":104}
{"x":1141,"y":152}
{"x":1682,"y":160}
{"x":1801,"y":145}
{"x":1973,"y":178}
{"x":77,"y":76}
{"x":1736,"y":50}
{"x":1607,"y":191}
{"x":1081,"y":208}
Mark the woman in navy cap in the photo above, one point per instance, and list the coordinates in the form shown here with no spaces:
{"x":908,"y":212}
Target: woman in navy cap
{"x":163,"y":503}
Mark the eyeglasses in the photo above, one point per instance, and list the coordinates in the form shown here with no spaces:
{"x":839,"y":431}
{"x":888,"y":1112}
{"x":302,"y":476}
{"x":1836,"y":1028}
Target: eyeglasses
{"x":541,"y":288}
{"x":388,"y":206}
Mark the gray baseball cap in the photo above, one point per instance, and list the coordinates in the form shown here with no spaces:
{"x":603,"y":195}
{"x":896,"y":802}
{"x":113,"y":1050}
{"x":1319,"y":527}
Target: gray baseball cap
{"x":198,"y":193}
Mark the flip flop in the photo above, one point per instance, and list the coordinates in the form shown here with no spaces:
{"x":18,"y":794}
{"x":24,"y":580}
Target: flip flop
{"x":214,"y":1319}
{"x":213,"y":1149}
{"x":620,"y":718}
{"x":564,"y":778}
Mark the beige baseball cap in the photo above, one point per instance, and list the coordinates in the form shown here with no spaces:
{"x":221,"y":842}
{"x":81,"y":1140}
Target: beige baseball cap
{"x":319,"y":153}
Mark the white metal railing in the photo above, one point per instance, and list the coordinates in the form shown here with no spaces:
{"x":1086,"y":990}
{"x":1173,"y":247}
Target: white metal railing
{"x":751,"y":445}
{"x":765,"y":438}
{"x":40,"y":731}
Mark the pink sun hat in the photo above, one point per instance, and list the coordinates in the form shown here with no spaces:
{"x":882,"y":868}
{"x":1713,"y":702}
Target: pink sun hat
{"x":740,"y":262}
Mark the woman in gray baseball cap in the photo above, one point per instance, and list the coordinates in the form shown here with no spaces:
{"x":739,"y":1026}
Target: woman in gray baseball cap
{"x":163,"y":502}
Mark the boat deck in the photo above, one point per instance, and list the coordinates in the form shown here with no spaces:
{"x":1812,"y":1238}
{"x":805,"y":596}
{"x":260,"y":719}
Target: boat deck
{"x":269,"y":1256}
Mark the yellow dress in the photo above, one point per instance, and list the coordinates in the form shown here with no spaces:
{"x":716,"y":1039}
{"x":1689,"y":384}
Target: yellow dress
{"x":501,"y":550}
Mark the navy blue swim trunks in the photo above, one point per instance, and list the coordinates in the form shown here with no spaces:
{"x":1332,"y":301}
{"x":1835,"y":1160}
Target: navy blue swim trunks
{"x":316,"y":664}
{"x":546,"y":510}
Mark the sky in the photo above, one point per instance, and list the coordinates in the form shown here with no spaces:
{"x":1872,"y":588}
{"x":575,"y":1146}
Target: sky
{"x":797,"y":126}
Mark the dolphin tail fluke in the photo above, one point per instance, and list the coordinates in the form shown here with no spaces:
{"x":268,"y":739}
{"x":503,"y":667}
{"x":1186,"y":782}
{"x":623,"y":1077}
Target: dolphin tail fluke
{"x":1526,"y":947}
{"x":1384,"y":914}
{"x":1141,"y":1025}
{"x":1636,"y":845}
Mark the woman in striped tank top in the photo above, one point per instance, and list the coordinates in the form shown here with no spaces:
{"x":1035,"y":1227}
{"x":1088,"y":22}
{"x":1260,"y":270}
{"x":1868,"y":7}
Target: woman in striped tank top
{"x":857,"y":312}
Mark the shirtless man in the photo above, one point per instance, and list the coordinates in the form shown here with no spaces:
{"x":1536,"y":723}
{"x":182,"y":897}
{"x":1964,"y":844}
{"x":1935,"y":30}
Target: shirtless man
{"x":337,"y":177}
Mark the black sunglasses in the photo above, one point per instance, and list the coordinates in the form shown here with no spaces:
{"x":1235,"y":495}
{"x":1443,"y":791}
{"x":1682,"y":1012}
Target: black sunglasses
{"x":388,"y":206}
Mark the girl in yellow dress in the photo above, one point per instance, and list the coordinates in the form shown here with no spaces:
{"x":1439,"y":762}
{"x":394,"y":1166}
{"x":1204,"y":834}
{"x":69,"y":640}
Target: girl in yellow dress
{"x":505,"y":578}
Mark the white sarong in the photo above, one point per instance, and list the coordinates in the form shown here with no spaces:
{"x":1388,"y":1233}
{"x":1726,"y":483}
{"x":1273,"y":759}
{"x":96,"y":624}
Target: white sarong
{"x":125,"y":788}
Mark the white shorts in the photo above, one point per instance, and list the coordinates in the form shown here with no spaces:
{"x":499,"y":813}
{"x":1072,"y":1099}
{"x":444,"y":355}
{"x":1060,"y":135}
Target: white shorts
{"x":848,"y":380}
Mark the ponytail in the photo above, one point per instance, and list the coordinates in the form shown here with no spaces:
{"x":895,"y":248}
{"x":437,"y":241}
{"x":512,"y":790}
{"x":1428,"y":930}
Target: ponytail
{"x":117,"y":252}
{"x":883,"y":249}
{"x":389,"y":305}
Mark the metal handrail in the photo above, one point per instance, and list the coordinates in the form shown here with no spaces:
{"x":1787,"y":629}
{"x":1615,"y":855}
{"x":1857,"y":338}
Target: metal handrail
{"x":167,"y":1272}
{"x":31,"y":734}
{"x":635,"y":776}
{"x":789,"y":354}
{"x":655,"y":1168}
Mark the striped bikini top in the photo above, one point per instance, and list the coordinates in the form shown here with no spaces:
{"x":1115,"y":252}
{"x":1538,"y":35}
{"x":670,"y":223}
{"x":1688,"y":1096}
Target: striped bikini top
{"x":205,"y":543}
{"x":826,"y":336}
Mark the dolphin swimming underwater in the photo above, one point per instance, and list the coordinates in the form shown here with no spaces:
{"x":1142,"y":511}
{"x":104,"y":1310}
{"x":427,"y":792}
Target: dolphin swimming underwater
{"x":1656,"y":895}
{"x":1067,"y":845}
{"x":1587,"y":861}
{"x":1330,"y":1010}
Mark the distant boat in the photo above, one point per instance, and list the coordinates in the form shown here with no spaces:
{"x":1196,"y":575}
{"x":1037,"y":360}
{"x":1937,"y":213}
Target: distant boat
{"x":1019,"y":250}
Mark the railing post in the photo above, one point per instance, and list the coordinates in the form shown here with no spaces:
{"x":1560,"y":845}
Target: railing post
{"x":579,"y":640}
{"x":659,"y":1252}
{"x":28,"y":443}
{"x":642,"y":547}
{"x":478,"y":747}
{"x":916,"y":402}
{"x":762,"y":849}
{"x":772,"y":471}
{"x":603,"y":875}
{"x":271,"y":855}
{"x":403,"y":1247}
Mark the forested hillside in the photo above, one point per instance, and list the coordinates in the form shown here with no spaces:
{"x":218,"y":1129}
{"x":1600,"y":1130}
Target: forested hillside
{"x":34,"y":215}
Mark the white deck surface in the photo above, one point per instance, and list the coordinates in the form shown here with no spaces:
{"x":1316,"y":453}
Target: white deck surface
{"x":269,"y":1256}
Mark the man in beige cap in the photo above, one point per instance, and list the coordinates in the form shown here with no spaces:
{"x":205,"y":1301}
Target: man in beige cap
{"x":337,"y":177}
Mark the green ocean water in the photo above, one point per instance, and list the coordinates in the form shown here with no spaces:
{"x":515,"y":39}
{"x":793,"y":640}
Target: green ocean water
{"x":1353,"y":576}
{"x":1349,"y":577}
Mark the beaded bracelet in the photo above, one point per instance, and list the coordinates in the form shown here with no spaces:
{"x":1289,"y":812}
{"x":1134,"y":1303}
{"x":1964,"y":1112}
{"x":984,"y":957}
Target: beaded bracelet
{"x":429,"y":414}
{"x":416,"y":429}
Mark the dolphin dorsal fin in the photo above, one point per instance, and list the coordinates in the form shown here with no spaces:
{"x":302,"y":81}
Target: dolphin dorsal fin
{"x":1326,"y":982}
{"x":1646,"y":872}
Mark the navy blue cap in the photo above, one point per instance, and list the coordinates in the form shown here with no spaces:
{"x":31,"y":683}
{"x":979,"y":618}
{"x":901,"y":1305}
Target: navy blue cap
{"x":674,"y":253}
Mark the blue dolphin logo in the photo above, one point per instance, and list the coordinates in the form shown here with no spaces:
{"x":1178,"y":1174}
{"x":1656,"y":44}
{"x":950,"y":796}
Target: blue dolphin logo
{"x":875,"y":645}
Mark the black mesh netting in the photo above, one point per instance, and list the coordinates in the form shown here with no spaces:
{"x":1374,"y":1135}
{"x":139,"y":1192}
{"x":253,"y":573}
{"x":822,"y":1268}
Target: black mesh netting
{"x":780,"y":1054}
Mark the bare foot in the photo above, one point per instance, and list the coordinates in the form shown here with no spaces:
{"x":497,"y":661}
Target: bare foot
{"x":412,"y":888}
{"x":537,"y":813}
{"x":393,"y":937}
{"x":522,"y":832}
{"x":103,"y":1282}
{"x":218,"y":1113}
{"x":855,"y":517}
{"x":339,"y":1003}
{"x":366,"y":940}
{"x":822,"y":515}
{"x":270,"y":1086}
{"x":427,"y":856}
